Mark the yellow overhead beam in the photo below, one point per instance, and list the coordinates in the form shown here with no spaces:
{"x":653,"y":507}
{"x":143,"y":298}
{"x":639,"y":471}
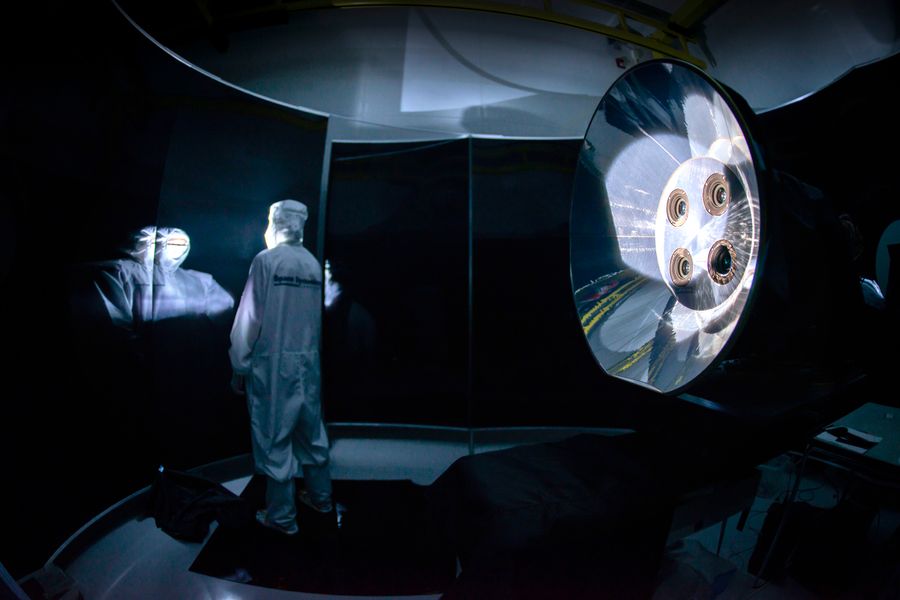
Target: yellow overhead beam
{"x":660,"y":42}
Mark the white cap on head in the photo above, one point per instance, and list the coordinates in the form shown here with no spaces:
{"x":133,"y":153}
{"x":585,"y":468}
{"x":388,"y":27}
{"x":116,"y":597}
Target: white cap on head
{"x":142,"y":245}
{"x":286,"y":221}
{"x":166,"y":246}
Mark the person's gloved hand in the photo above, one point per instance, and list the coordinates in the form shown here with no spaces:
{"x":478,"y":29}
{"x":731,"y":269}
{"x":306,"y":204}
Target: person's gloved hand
{"x":238,"y":385}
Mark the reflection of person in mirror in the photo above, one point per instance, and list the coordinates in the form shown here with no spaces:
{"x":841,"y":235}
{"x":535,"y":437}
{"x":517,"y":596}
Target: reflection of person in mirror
{"x":275,"y":357}
{"x":144,"y":319}
{"x":151,"y":286}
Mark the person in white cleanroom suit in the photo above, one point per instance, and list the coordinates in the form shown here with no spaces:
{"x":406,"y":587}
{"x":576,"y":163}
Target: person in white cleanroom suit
{"x":150,"y":286}
{"x":275,"y":356}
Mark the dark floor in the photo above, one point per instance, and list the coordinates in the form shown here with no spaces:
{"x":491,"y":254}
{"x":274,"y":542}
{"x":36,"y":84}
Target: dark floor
{"x":843,"y":540}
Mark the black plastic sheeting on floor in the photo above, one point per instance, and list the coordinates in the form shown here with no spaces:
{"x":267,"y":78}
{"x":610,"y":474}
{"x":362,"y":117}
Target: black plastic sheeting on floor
{"x":383,"y":545}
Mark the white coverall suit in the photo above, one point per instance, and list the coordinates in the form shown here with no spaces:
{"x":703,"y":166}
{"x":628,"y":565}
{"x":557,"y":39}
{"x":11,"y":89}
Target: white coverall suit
{"x":275,"y":347}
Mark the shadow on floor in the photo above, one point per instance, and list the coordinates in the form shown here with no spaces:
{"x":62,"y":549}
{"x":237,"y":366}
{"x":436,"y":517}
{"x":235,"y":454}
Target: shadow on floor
{"x":382,"y":545}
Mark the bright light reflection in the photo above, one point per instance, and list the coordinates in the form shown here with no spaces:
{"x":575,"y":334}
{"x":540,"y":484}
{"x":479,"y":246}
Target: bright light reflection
{"x":150,"y":285}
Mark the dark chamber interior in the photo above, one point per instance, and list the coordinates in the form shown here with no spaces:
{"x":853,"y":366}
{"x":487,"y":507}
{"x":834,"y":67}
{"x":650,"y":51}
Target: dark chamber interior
{"x":452,"y":255}
{"x":406,"y":342}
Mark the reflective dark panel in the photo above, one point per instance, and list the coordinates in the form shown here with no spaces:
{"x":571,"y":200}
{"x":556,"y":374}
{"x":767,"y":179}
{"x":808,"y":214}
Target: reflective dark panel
{"x":665,"y":226}
{"x":529,"y":366}
{"x":395,"y":323}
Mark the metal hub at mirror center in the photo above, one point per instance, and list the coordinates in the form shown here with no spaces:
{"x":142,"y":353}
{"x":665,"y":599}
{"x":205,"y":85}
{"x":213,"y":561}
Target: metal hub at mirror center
{"x":702,"y":205}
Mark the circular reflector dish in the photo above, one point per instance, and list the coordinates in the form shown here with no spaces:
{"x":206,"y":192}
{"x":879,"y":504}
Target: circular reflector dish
{"x":665,"y":225}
